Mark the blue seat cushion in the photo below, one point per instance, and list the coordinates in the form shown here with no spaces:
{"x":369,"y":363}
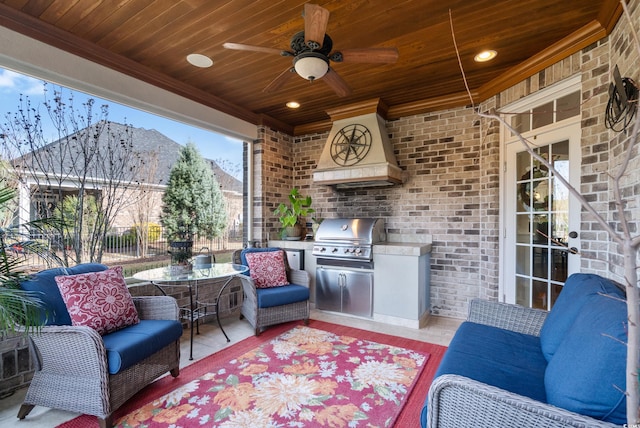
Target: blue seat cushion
{"x":502,"y":358}
{"x":587,"y":372}
{"x":283,"y":295}
{"x":575,"y":292}
{"x":498,"y":357}
{"x":134,"y":343}
{"x":43,"y":283}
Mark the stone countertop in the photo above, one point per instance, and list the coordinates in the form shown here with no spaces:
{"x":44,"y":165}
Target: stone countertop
{"x":415,"y":249}
{"x":298,"y":245}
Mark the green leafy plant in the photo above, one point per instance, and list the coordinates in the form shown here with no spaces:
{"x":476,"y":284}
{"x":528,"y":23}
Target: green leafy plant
{"x":299,"y":206}
{"x":17,"y":307}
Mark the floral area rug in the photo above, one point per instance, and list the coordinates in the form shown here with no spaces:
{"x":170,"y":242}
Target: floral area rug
{"x":303,"y":378}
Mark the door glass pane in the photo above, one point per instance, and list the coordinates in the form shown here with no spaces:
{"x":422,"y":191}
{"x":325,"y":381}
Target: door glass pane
{"x":523,"y":291}
{"x":542,"y":115}
{"x":560,"y":228}
{"x":559,"y":264}
{"x":540,"y":170}
{"x":555,"y":291}
{"x":541,"y":234}
{"x":540,"y":262}
{"x":522,"y":260}
{"x":521,"y":122}
{"x":523,"y":224}
{"x":523,"y":166}
{"x":540,"y":295}
{"x":568,"y":106}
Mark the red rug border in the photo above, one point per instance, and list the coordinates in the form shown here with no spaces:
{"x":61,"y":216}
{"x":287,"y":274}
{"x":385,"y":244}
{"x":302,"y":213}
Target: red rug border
{"x":409,"y":415}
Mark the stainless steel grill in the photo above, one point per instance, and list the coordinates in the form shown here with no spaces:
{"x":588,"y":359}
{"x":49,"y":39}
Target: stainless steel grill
{"x":344,"y":258}
{"x":348,"y":238}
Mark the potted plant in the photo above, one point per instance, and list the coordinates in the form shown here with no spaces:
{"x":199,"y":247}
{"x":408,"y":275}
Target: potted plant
{"x":181,"y":253}
{"x":289,"y":216}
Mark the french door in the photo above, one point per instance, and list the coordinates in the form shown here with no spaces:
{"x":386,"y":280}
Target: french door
{"x":541,"y":217}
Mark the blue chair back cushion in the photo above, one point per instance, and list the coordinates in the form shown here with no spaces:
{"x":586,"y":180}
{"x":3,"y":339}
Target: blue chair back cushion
{"x":576,"y":291}
{"x":587,"y":372}
{"x":54,"y":311}
{"x":283,"y":295}
{"x":130,"y":345}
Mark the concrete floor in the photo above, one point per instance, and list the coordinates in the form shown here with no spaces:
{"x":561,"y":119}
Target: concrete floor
{"x":439,"y":330}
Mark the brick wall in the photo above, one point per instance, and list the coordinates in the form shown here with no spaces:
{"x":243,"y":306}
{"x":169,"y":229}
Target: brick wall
{"x":604,"y":149}
{"x":448,"y":195}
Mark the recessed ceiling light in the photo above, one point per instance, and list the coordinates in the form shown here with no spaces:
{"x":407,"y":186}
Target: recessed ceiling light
{"x":293,"y":104}
{"x":199,"y":60}
{"x":484,"y":56}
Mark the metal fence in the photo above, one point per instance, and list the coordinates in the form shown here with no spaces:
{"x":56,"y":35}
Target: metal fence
{"x":121,"y":245}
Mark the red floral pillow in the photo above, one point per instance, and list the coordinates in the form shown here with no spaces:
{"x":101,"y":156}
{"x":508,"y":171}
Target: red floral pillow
{"x":266,"y":268}
{"x":100,"y":300}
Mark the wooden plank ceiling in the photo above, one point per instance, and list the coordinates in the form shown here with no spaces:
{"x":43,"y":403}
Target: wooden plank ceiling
{"x":150,"y":39}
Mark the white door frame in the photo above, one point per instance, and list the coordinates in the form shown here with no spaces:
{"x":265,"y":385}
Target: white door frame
{"x":569,"y":129}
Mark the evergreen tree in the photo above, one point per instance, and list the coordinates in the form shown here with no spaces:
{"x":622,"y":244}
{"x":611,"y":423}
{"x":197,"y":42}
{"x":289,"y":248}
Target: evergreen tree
{"x":193,"y":204}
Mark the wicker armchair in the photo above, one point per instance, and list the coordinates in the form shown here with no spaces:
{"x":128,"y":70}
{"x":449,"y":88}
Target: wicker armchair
{"x":72,"y":371}
{"x":456,"y":401}
{"x":261,"y":315}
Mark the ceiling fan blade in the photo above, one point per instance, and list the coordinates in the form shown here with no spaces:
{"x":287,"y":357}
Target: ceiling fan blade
{"x":242,"y":47}
{"x":316,"y":19}
{"x":280,"y":80}
{"x":336,"y":83}
{"x":368,"y":55}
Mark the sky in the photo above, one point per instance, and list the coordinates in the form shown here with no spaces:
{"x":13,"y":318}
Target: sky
{"x":225,"y":150}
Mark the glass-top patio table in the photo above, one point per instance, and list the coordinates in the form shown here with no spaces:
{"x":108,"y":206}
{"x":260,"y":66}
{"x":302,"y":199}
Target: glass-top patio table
{"x":171,"y":277}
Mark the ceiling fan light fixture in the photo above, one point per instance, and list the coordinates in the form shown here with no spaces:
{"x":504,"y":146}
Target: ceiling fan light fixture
{"x":311,"y":66}
{"x":485,"y":56}
{"x":199,"y":60}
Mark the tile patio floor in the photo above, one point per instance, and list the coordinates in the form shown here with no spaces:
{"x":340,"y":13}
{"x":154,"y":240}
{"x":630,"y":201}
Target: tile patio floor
{"x":439,"y":330}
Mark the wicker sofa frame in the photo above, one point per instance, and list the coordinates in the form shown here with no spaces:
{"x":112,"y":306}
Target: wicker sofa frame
{"x":456,"y":401}
{"x":259,"y":318}
{"x":72,"y":371}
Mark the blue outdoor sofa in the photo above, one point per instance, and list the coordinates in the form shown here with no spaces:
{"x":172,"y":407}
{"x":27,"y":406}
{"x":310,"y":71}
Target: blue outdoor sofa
{"x":509,"y":366}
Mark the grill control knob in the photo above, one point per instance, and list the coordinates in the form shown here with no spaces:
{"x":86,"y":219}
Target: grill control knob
{"x":335,"y":250}
{"x":358,"y":250}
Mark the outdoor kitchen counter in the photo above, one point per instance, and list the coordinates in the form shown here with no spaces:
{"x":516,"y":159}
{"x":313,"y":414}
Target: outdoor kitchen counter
{"x":402,"y":278}
{"x":402,"y":249}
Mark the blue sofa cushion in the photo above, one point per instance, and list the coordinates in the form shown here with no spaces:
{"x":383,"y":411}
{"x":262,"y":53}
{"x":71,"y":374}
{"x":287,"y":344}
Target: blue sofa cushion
{"x":587,"y":372}
{"x":132,"y":344}
{"x":283,"y":295}
{"x":54,"y":311}
{"x":576,"y":291}
{"x":502,"y":358}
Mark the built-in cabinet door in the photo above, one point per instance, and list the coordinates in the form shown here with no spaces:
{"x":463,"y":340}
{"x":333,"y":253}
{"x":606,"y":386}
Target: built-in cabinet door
{"x":328,"y":290}
{"x":344,"y":290}
{"x":357,"y":293}
{"x":542,"y":219}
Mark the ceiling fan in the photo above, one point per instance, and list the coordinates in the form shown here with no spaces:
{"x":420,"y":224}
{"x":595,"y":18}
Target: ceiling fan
{"x":311,"y":52}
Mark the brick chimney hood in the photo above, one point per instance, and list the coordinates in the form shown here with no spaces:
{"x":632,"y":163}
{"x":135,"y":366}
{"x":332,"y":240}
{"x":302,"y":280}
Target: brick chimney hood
{"x":358,"y":152}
